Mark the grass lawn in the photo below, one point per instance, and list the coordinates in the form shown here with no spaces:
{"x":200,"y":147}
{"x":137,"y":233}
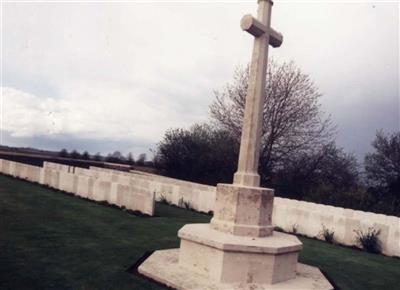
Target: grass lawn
{"x":50,"y":240}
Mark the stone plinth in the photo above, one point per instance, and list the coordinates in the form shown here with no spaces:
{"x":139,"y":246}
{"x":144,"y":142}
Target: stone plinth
{"x":163,"y":266}
{"x":243,"y":210}
{"x":226,"y":258}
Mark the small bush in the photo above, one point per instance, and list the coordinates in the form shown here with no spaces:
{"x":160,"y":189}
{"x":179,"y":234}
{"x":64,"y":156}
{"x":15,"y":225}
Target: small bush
{"x":278,"y":229}
{"x":180,"y":202}
{"x":163,"y":199}
{"x":294,"y":228}
{"x":187,"y":205}
{"x":369,"y":240}
{"x":328,"y":234}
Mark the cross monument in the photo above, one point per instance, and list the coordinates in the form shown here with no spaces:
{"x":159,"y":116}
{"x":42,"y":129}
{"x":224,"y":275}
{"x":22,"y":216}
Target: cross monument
{"x":238,"y":249}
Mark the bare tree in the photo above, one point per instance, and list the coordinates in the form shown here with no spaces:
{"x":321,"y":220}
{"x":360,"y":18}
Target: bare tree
{"x":324,"y":176}
{"x":63,"y":153}
{"x":141,"y":159}
{"x":293,"y":121}
{"x":85,"y":155}
{"x":75,"y":154}
{"x":97,"y":157}
{"x":382,"y":168}
{"x":130,"y":159}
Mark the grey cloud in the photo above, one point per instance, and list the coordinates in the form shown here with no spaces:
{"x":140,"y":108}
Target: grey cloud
{"x":125,"y":72}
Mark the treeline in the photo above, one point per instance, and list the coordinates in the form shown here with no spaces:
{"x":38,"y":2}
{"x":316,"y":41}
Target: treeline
{"x":114,"y":157}
{"x":298,"y":158}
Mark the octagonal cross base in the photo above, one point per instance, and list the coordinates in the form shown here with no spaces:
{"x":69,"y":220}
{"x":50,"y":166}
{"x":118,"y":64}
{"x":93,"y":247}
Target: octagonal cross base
{"x":209,"y":260}
{"x":227,"y":258}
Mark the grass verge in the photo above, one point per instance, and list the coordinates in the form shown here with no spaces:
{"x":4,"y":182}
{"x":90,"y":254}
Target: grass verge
{"x":50,"y":240}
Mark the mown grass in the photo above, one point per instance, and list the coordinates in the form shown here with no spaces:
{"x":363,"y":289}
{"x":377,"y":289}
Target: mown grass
{"x":50,"y":240}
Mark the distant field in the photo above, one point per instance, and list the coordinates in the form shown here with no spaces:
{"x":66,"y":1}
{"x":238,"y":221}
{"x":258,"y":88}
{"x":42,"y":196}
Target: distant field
{"x":50,"y":240}
{"x":37,"y":159}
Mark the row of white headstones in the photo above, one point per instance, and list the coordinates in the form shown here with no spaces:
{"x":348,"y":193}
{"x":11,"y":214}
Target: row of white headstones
{"x":101,"y":184}
{"x":94,"y":184}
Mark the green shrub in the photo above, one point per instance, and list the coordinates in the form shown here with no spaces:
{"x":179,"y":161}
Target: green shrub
{"x":369,"y":240}
{"x":180,"y":202}
{"x":328,"y":234}
{"x":294,"y":228}
{"x":278,"y":229}
{"x":163,"y":200}
{"x":187,"y":205}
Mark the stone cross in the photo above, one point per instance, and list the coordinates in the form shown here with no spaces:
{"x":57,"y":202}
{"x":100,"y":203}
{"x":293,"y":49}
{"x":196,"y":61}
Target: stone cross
{"x":264,"y":35}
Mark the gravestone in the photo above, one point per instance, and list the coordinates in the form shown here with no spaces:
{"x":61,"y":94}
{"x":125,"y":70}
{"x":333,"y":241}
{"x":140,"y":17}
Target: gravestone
{"x":239,"y":249}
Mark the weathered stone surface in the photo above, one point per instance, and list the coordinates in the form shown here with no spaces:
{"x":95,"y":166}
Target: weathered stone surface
{"x":54,"y":181}
{"x":278,"y":243}
{"x":135,"y":199}
{"x":228,"y":258}
{"x":68,"y":182}
{"x":163,"y":266}
{"x":85,"y":186}
{"x":243,"y":210}
{"x":247,"y":173}
{"x":100,"y":190}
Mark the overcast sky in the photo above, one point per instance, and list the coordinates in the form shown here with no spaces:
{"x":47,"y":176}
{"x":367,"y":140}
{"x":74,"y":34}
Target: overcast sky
{"x":116,"y":76}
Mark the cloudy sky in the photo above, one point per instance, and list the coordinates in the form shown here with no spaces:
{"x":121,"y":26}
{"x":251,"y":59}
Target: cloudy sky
{"x":115,"y":76}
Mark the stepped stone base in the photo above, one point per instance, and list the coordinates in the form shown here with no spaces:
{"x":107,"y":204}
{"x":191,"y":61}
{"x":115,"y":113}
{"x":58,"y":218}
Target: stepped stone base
{"x":228,"y":258}
{"x":211,"y":259}
{"x":163,"y":266}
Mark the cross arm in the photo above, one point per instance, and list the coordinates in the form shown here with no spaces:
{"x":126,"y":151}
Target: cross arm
{"x":275,"y":38}
{"x":252,"y":26}
{"x":256,"y":28}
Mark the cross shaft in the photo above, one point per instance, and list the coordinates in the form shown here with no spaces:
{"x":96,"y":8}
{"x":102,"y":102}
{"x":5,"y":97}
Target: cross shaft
{"x":264,"y":35}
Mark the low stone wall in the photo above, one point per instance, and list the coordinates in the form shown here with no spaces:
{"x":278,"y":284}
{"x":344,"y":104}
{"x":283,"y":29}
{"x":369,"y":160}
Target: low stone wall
{"x":308,"y":218}
{"x":85,"y":183}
